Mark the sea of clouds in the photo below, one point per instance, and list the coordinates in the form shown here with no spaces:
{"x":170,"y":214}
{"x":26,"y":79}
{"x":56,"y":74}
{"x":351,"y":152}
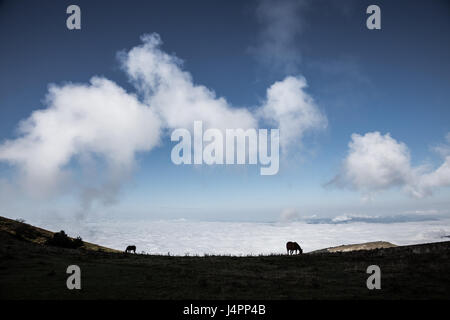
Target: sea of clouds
{"x":182,"y":237}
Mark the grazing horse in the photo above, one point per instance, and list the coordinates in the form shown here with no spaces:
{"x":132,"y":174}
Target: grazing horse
{"x":293,"y":246}
{"x":130,"y":248}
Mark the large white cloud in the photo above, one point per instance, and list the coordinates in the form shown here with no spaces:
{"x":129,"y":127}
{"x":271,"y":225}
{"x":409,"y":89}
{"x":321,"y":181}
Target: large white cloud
{"x":293,"y":110}
{"x":171,"y":92}
{"x":98,"y":128}
{"x":88,"y":121}
{"x":377,"y":162}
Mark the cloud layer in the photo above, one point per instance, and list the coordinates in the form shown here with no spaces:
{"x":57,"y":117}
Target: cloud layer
{"x":237,"y":238}
{"x":378,"y":162}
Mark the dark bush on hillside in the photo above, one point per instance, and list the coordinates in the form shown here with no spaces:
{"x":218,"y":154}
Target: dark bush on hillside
{"x":24,"y":231}
{"x":78,"y":242}
{"x":60,"y":239}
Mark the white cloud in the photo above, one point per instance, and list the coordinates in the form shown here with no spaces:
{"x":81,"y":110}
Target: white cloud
{"x":424,"y":184}
{"x":170,"y":91}
{"x":98,"y":128}
{"x":377,"y":162}
{"x":293,"y":110}
{"x":93,"y":121}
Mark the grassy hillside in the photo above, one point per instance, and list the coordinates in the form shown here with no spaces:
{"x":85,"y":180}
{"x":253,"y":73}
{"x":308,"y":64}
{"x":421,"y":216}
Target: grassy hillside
{"x":32,"y":270}
{"x":29,"y":233}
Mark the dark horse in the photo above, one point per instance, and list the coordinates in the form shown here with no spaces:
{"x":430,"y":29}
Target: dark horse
{"x":131,"y":248}
{"x":293,"y":246}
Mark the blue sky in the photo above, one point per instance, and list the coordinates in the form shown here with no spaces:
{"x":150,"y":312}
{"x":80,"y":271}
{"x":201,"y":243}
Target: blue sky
{"x":394,"y":80}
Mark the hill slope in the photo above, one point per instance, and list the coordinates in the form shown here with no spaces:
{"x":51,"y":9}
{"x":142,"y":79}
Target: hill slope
{"x":31,"y":270}
{"x":27,"y":232}
{"x":359,"y":246}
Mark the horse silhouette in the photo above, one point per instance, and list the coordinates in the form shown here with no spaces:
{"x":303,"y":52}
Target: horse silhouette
{"x":293,"y":246}
{"x":130,"y":248}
